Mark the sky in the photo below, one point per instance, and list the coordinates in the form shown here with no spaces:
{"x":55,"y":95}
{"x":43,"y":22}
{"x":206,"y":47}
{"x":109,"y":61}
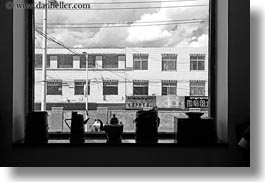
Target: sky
{"x":170,"y":34}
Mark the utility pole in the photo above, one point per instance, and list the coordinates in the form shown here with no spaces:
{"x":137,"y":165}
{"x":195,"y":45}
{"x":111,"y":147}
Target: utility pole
{"x":86,"y":88}
{"x":44,"y":60}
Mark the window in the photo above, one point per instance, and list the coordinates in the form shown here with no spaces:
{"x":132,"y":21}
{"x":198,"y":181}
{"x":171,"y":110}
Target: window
{"x":169,"y":62}
{"x":197,"y":88}
{"x":169,"y":87}
{"x":197,"y":62}
{"x":54,"y":87}
{"x":38,"y":61}
{"x":110,"y":87}
{"x":65,"y":61}
{"x":148,"y":67}
{"x":80,"y":87}
{"x":140,"y":87}
{"x":110,"y":61}
{"x":140,"y":61}
{"x":91,"y":61}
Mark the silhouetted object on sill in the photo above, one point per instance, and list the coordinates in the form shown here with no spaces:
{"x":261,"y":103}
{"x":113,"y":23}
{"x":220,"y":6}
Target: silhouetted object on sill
{"x":37,"y":128}
{"x":146,"y":126}
{"x":243,"y":134}
{"x":195,"y":130}
{"x":113,"y":130}
{"x":77,"y":134}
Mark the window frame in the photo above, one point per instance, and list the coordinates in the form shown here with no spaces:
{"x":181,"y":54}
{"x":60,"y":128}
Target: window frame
{"x":60,"y":59}
{"x":168,"y":58}
{"x":142,"y":84}
{"x":30,"y":69}
{"x":197,"y":61}
{"x":84,"y":83}
{"x":140,"y":61}
{"x":107,"y":84}
{"x":107,"y":64}
{"x":197,"y":87}
{"x":54,"y":82}
{"x":169,"y":82}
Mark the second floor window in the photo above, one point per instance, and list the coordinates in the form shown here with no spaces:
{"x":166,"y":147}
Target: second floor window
{"x":169,"y":62}
{"x":197,"y":62}
{"x":65,"y":61}
{"x":54,"y":87}
{"x":38,"y":61}
{"x":140,"y":87}
{"x":80,"y":87}
{"x":110,"y":87}
{"x":169,"y":87}
{"x":197,"y":88}
{"x":91,"y":61}
{"x":110,"y":61}
{"x":140,"y":61}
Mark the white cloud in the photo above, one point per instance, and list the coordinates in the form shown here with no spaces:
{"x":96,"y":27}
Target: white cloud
{"x":201,"y":41}
{"x":153,"y":36}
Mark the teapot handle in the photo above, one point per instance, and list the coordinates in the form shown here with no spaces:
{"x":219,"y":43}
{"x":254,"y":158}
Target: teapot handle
{"x":67,"y":123}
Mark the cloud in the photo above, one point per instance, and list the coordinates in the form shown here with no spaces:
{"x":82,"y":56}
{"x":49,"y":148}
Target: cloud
{"x":148,"y":36}
{"x":201,"y":41}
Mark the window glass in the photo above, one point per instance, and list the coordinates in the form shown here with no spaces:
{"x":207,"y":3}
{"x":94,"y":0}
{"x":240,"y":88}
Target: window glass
{"x":38,"y":61}
{"x":110,"y":61}
{"x":197,"y":62}
{"x":110,"y":87}
{"x":140,"y":61}
{"x":140,"y":87}
{"x":197,"y":88}
{"x":135,"y":60}
{"x":80,"y":87}
{"x":65,"y":61}
{"x":169,"y":87}
{"x":54,"y":87}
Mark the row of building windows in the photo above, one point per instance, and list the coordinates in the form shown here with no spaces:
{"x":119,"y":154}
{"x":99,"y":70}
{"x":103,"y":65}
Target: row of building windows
{"x":140,"y":61}
{"x":140,"y":87}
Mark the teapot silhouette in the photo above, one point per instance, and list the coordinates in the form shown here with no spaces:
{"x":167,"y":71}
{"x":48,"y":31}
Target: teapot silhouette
{"x":77,"y":134}
{"x":113,"y":130}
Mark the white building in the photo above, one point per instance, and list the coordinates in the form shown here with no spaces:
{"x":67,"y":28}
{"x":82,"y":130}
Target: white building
{"x":115,"y":73}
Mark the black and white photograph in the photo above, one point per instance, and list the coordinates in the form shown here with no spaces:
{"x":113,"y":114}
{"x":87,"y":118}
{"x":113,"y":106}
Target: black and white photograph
{"x":166,"y":82}
{"x":122,"y":72}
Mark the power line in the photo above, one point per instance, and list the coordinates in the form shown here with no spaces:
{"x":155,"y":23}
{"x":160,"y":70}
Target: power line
{"x":119,"y":26}
{"x":53,"y":40}
{"x":136,"y":2}
{"x":125,"y":22}
{"x":154,"y":7}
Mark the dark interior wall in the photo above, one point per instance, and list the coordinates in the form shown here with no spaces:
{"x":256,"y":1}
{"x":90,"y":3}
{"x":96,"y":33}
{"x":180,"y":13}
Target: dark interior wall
{"x":230,"y":155}
{"x":238,"y":66}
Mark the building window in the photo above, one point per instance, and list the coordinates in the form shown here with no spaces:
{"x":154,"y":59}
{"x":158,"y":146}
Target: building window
{"x":197,"y":62}
{"x":169,"y":62}
{"x":91,"y":61}
{"x":169,"y":87}
{"x":65,"y":61}
{"x":121,"y":58}
{"x":110,"y":87}
{"x":38,"y":61}
{"x":197,"y":88}
{"x":140,"y":87}
{"x":54,"y":87}
{"x":80,"y":87}
{"x":110,"y":61}
{"x":140,"y":61}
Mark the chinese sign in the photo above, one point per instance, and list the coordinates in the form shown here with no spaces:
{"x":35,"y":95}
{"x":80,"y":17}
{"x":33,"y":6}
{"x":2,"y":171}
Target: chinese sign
{"x":137,"y":102}
{"x":196,"y":102}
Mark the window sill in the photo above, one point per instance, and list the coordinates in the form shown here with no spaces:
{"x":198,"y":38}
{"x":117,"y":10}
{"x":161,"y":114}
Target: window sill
{"x":128,"y":138}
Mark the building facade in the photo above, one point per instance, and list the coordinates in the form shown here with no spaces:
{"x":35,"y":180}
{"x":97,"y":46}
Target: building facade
{"x":116,"y":74}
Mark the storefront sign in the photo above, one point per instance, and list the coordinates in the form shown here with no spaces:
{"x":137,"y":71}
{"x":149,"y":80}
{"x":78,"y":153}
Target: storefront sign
{"x":138,"y":102}
{"x":196,"y":102}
